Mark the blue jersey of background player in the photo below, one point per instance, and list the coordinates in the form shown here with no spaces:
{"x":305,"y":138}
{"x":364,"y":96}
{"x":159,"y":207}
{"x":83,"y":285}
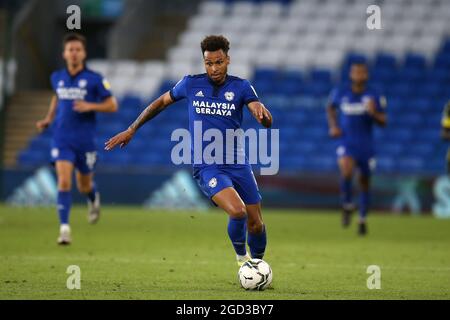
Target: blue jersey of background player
{"x":232,"y":187}
{"x":352,"y":112}
{"x":79,"y":93}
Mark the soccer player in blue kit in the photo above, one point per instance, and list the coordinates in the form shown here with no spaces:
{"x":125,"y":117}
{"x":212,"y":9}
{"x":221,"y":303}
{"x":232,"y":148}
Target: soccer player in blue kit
{"x":79,"y":94}
{"x":216,"y":100}
{"x":358,"y":108}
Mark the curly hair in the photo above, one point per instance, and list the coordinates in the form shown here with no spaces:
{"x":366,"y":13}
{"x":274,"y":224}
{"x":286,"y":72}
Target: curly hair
{"x":214,"y":43}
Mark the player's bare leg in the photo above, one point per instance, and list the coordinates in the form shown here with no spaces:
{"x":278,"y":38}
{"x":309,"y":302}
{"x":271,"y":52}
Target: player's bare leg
{"x":85,"y":184}
{"x":364,"y":185}
{"x":229,"y":200}
{"x":256,"y":231}
{"x":346,"y":167}
{"x":64,"y":170}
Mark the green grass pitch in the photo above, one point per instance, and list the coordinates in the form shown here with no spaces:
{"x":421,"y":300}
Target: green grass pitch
{"x":134,"y":253}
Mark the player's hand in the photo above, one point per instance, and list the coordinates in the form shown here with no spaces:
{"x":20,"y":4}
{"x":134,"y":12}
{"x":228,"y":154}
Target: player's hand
{"x":371,"y":107}
{"x":262,"y":115}
{"x":335,"y":132}
{"x":82,"y":106}
{"x":43,"y":124}
{"x":121,"y":139}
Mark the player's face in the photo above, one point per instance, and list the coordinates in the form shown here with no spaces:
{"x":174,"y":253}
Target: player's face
{"x":216,"y":64}
{"x":74,"y":53}
{"x":359,"y":73}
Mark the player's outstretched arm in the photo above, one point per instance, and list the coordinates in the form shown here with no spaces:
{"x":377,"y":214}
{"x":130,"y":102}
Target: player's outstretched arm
{"x":47,"y":121}
{"x":333,"y":126}
{"x":261,"y":114}
{"x":380,"y":118}
{"x":107,"y":105}
{"x":124,"y":137}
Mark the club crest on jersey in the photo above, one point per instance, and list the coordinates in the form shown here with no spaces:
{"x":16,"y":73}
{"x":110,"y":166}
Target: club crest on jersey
{"x":229,"y":95}
{"x":60,"y":83}
{"x":82,"y":83}
{"x":212,"y":183}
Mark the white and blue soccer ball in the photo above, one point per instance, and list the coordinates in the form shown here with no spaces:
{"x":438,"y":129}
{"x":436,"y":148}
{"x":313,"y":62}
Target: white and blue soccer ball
{"x":255,"y":274}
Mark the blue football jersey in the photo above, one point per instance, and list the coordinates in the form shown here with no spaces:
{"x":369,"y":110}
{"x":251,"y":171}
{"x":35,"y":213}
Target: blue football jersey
{"x":215,"y":107}
{"x":71,"y":127}
{"x":356,"y":124}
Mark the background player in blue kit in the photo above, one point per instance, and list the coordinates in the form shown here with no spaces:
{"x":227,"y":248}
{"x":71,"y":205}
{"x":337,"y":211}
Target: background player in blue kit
{"x":358,"y":108}
{"x":216,"y":100}
{"x":79,"y":93}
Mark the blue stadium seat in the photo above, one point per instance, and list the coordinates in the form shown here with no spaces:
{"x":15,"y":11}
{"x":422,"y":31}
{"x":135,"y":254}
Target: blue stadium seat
{"x":446,"y":46}
{"x":430,"y":90}
{"x":385,"y":61}
{"x":264,"y":86}
{"x":34,"y":157}
{"x":422,"y":150}
{"x":427,"y":135}
{"x":415,"y":61}
{"x":321,"y":163}
{"x":437,"y":75}
{"x":117,"y":157}
{"x":320,"y":76}
{"x":385,"y":163}
{"x":402,"y":89}
{"x":304,"y":147}
{"x":354,"y":57}
{"x":389,"y":149}
{"x":401,"y":135}
{"x":406,"y":120}
{"x":267,"y":74}
{"x":442,"y":61}
{"x":40,"y":143}
{"x":288,"y":87}
{"x":382,"y":74}
{"x":129,"y":101}
{"x":379,"y":86}
{"x":292,"y":76}
{"x":410,"y":165}
{"x":418,"y":105}
{"x":409,"y":75}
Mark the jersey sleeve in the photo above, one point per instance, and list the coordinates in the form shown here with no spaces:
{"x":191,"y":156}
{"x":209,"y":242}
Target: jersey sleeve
{"x":380,"y":103}
{"x":103,"y":88}
{"x":249,"y":93}
{"x":333,"y":98}
{"x":179,"y":91}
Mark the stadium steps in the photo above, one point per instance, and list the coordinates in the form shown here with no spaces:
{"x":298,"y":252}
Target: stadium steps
{"x":24,"y":109}
{"x":155,"y":26}
{"x":166,"y":29}
{"x":2,"y":24}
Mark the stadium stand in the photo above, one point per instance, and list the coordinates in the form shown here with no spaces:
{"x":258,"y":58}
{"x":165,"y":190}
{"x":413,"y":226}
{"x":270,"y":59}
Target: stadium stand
{"x":294,"y":52}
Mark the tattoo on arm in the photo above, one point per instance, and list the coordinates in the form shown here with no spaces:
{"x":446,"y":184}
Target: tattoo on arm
{"x":152,"y":111}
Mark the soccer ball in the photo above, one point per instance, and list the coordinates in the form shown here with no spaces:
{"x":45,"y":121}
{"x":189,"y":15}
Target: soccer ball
{"x":255,"y":274}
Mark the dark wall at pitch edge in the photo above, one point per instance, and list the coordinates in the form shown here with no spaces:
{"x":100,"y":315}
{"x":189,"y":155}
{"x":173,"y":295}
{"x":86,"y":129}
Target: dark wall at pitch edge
{"x":281,"y":191}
